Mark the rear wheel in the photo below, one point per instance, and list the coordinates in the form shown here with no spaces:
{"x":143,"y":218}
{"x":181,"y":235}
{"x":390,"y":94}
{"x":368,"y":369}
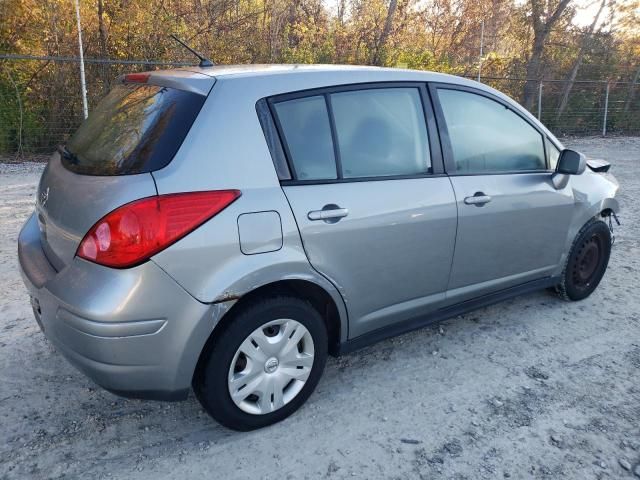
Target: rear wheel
{"x":264,"y":365}
{"x":587,"y":261}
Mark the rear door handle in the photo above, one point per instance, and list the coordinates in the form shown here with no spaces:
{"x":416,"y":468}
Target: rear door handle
{"x":478,"y":199}
{"x":329,"y":214}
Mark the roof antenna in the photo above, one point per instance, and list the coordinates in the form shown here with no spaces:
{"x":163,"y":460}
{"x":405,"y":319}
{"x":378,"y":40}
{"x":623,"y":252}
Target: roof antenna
{"x":204,"y":61}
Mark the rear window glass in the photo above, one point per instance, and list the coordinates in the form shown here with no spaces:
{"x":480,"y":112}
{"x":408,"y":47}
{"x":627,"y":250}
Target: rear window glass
{"x":134,"y":129}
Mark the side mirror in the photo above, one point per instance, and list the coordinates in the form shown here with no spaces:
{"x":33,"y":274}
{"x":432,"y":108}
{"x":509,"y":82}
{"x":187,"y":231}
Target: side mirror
{"x":571,"y":162}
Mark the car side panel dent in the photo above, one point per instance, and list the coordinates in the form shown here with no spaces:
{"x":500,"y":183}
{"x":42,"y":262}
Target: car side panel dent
{"x":198,"y":338}
{"x":593,"y":193}
{"x":270,"y":274}
{"x":208,"y":262}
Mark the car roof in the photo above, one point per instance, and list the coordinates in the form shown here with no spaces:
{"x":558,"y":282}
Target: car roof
{"x":331,"y":74}
{"x":261,"y":70}
{"x":313,"y":75}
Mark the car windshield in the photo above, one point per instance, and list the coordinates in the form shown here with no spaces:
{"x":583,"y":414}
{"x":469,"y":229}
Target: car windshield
{"x":134,"y":129}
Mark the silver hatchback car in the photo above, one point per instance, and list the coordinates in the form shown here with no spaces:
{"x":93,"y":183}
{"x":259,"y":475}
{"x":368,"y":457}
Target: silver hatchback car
{"x":226,"y":228}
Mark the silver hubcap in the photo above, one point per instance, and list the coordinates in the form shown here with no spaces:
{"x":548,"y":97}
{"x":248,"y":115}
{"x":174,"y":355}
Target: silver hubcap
{"x":271,"y":366}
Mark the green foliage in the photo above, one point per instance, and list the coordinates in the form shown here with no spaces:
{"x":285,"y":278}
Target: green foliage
{"x":440,"y":35}
{"x":425,"y":60}
{"x":21,"y":128}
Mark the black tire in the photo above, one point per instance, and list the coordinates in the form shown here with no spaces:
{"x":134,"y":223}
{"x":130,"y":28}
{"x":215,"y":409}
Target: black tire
{"x":211,"y":379}
{"x":587,"y":261}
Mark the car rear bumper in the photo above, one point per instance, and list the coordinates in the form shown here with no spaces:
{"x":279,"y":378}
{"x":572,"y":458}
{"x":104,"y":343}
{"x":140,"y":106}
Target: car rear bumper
{"x":135,"y":332}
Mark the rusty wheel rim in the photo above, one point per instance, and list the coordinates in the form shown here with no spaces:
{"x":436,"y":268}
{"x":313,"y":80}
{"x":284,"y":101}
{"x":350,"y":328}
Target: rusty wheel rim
{"x":587,"y":261}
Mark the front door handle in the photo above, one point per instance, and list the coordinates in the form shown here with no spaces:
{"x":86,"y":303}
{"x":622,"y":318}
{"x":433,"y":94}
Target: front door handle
{"x":330,"y":214}
{"x":479,"y":199}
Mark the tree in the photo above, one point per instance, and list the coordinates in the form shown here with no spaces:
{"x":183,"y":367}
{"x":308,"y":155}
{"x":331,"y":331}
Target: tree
{"x":529,"y":36}
{"x":378,"y":49}
{"x":542,"y":22}
{"x":586,"y":39}
{"x":632,"y":91}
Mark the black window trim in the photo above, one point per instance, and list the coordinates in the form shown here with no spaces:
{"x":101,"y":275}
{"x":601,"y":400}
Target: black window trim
{"x":554,"y":145}
{"x":337,"y":155}
{"x":272,"y":138}
{"x":447,"y":151}
{"x":433,"y":137}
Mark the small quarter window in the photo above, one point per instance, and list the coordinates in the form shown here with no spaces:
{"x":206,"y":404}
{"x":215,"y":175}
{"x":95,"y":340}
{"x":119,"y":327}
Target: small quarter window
{"x":381,"y":132}
{"x":307,"y":134}
{"x":554,"y":155}
{"x":487,"y":137}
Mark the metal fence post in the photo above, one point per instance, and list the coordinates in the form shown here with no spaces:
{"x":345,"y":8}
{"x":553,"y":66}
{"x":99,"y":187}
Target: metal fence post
{"x":606,"y":108}
{"x":580,"y":115}
{"x":83,"y":83}
{"x":540,"y":100}
{"x":481,"y":47}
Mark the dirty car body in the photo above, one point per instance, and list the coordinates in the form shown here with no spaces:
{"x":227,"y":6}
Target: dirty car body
{"x":385,"y":199}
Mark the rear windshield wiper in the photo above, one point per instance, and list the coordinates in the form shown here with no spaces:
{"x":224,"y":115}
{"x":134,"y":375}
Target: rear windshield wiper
{"x":68,"y":155}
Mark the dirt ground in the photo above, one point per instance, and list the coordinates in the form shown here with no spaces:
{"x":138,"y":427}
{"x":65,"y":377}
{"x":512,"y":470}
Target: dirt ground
{"x":532,"y":388}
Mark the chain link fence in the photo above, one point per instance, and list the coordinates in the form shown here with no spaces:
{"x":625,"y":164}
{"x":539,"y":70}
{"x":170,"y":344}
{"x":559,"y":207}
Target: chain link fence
{"x":41,"y":99}
{"x":41,"y":103}
{"x":582,"y":107}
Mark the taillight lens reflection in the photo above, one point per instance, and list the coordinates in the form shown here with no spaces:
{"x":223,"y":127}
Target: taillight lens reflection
{"x":131,"y":234}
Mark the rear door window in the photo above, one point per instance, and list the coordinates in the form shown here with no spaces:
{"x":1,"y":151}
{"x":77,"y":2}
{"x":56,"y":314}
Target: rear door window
{"x":381,"y":132}
{"x":355,"y":134}
{"x":134,"y":129}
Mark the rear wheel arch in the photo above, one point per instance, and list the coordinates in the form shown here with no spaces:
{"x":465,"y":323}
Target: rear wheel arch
{"x":316,"y":295}
{"x":239,"y":381}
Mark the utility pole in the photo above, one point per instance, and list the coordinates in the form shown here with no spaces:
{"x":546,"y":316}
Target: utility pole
{"x":606,"y":110}
{"x":540,"y":100}
{"x":83,"y":84}
{"x":481,"y":47}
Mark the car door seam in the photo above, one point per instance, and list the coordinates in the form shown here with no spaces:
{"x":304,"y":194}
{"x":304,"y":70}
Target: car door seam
{"x":455,"y":238}
{"x":306,"y":254}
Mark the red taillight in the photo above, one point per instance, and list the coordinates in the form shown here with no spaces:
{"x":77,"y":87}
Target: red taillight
{"x":131,"y":234}
{"x":137,"y":77}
